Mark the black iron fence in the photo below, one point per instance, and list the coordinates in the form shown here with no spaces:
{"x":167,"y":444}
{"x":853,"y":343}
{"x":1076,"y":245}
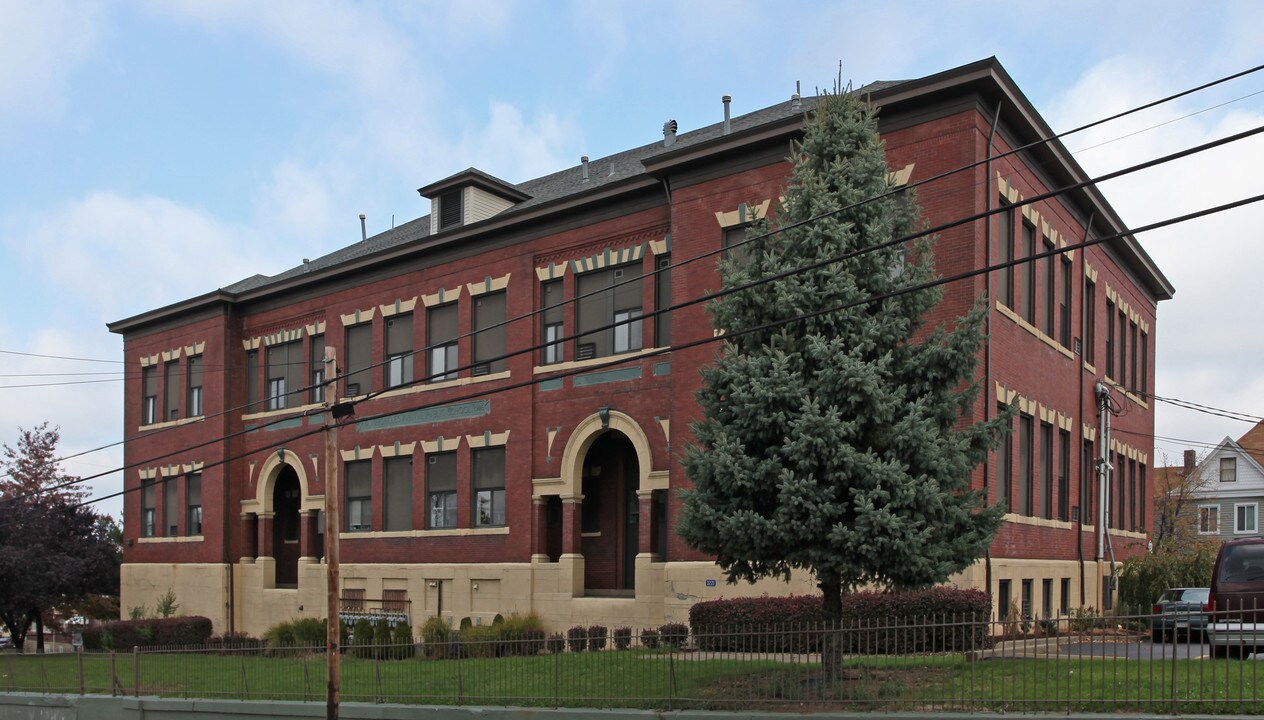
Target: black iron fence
{"x":1144,"y":663}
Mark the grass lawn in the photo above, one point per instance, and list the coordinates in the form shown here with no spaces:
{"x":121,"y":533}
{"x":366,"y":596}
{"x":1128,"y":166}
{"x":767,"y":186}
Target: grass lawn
{"x":657,"y":680}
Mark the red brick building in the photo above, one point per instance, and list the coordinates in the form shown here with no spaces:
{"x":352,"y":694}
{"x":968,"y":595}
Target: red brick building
{"x":476,"y":484}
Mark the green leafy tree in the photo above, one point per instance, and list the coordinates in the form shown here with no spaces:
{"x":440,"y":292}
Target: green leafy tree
{"x":839,"y":443}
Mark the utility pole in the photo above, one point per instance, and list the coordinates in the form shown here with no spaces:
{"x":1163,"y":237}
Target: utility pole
{"x":332,"y":523}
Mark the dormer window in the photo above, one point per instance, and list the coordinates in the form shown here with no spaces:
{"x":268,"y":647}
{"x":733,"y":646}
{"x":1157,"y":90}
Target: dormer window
{"x":450,"y":209}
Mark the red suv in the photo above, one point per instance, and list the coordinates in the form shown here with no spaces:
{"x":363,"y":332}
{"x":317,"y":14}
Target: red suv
{"x":1235,"y":609}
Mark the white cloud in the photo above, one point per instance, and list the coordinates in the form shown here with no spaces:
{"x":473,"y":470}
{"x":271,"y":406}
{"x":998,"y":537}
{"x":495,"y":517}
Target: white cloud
{"x":42,"y":43}
{"x":517,"y":148}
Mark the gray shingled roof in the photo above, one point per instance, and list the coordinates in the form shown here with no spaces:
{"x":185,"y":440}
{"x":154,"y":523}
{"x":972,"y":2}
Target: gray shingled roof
{"x":563,"y":183}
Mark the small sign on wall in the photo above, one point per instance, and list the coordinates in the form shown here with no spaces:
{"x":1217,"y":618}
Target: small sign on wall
{"x":710,"y":583}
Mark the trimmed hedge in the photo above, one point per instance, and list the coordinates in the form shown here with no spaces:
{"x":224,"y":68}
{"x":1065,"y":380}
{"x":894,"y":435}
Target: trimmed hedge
{"x":939,"y":619}
{"x":149,"y":632}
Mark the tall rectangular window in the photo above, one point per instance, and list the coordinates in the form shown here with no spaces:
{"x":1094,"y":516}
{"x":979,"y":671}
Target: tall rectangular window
{"x":1228,"y":469}
{"x":1064,"y":475}
{"x":398,"y":499}
{"x":1132,"y":341}
{"x":734,"y":243}
{"x":489,"y":334}
{"x":285,"y":375}
{"x":171,"y":390}
{"x":1027,"y":297}
{"x":399,"y":350}
{"x":441,"y":324}
{"x":1121,"y":345}
{"x":1004,"y":598}
{"x":194,"y":401}
{"x":1110,"y":339}
{"x":193,"y":504}
{"x":1051,"y":288}
{"x":316,"y":369}
{"x":170,"y":508}
{"x":1208,"y":519}
{"x":1046,"y":470}
{"x":252,"y":380}
{"x":1064,"y":606}
{"x":1004,"y":465}
{"x":551,"y":323}
{"x":441,"y":490}
{"x":489,"y":486}
{"x":1046,"y":597}
{"x":1133,"y":500}
{"x":1121,"y":491}
{"x":1064,"y":325}
{"x":359,"y":495}
{"x":359,"y":360}
{"x":1088,"y":483}
{"x":662,"y":300}
{"x":1142,"y":496}
{"x":1005,"y":254}
{"x":148,"y":508}
{"x":1143,"y":385}
{"x":1025,"y":439}
{"x":149,"y":395}
{"x":1027,"y":599}
{"x":1090,"y":321}
{"x":605,"y":297}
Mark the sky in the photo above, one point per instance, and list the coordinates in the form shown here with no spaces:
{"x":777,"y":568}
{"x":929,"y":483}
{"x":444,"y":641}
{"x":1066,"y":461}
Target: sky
{"x":155,"y":151}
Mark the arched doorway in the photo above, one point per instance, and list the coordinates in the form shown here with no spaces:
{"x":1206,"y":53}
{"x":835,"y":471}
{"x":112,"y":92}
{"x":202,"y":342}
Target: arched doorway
{"x":610,"y":520}
{"x":286,"y":499}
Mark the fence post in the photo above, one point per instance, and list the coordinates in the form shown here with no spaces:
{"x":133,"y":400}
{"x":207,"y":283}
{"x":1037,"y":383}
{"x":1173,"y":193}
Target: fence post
{"x":80,"y":654}
{"x":671,"y":681}
{"x":186,"y":672}
{"x":135,"y":671}
{"x":557,"y":699}
{"x":460,"y":690}
{"x":114,"y":683}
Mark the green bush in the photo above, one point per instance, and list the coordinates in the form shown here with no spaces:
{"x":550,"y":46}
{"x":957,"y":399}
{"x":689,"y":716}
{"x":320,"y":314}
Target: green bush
{"x":280,"y":635}
{"x":311,"y":632}
{"x":522,"y":634}
{"x":481,"y":641}
{"x":674,"y":635}
{"x":402,"y":641}
{"x":577,"y":638}
{"x":622,"y":638}
{"x":649,"y":639}
{"x":155,"y":632}
{"x":362,"y":638}
{"x":436,"y":638}
{"x":556,"y":643}
{"x":1143,"y":579}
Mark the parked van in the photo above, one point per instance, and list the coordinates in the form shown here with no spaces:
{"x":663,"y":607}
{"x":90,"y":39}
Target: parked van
{"x":1235,"y":608}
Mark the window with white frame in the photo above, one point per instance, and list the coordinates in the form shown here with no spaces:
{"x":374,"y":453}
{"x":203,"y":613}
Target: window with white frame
{"x":1208,"y":519}
{"x":359,"y":496}
{"x":1228,"y":469}
{"x":441,"y":490}
{"x":489,"y":486}
{"x":1244,"y":518}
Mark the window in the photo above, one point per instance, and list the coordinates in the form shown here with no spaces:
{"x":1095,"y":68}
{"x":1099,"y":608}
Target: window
{"x":1143,"y":498}
{"x":441,"y":489}
{"x":1132,"y":495}
{"x":252,"y":380}
{"x":1046,"y":597}
{"x":735,"y":245}
{"x":171,"y":390}
{"x":450,"y":209}
{"x":551,"y":322}
{"x":1064,"y":475}
{"x":316,"y":369}
{"x":1064,"y":606}
{"x":1005,"y":254}
{"x":359,"y":359}
{"x":1110,"y":339}
{"x":489,"y":486}
{"x":395,"y":601}
{"x":397,"y":502}
{"x":399,"y":350}
{"x":1064,"y":327}
{"x":1208,"y":519}
{"x":1088,"y":476}
{"x":489,"y":334}
{"x":1228,"y":469}
{"x":285,"y":374}
{"x":195,"y":386}
{"x":1090,"y":321}
{"x":148,"y":508}
{"x":1004,"y":595}
{"x":193,"y":504}
{"x":1004,"y":468}
{"x":1143,"y":385}
{"x":1121,"y":366}
{"x":1051,"y":288}
{"x":352,"y":599}
{"x":1027,"y":300}
{"x":662,"y":301}
{"x":1046,"y":470}
{"x":170,"y":508}
{"x":1027,"y":599}
{"x":1025,"y":464}
{"x":604,"y":298}
{"x":149,"y":395}
{"x":1132,"y":339}
{"x":1244,"y":518}
{"x":359,"y":496}
{"x":1121,"y":493}
{"x":441,"y":339}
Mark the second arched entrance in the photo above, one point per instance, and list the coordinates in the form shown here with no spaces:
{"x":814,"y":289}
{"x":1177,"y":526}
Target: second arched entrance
{"x":610,"y":514}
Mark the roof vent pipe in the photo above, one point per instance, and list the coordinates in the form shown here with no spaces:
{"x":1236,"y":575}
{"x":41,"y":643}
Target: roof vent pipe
{"x":583,"y":159}
{"x":364,"y":233}
{"x":726,"y":100}
{"x":796,"y":104}
{"x":669,"y":133}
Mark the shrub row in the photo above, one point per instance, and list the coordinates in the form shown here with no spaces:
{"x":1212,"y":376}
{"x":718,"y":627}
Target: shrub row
{"x":150,"y":632}
{"x":938,"y":619}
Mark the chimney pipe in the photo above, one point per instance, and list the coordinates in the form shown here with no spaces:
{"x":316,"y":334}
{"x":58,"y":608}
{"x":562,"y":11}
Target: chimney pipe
{"x":796,"y":103}
{"x":669,"y":133}
{"x":364,"y":233}
{"x":1190,"y":458}
{"x":584,"y":161}
{"x":726,"y":100}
